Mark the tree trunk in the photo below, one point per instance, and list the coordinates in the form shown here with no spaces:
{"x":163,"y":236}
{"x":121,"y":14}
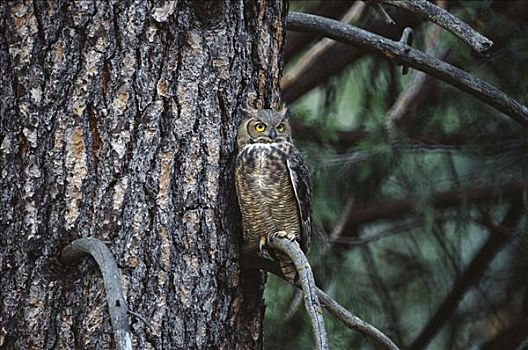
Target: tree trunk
{"x":118,"y":121}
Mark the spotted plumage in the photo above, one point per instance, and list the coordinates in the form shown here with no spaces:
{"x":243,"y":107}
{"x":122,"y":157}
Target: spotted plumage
{"x":272,"y":181}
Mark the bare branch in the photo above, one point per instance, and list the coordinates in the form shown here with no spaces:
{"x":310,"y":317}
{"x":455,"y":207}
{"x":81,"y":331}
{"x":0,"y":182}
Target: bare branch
{"x":407,"y":39}
{"x":446,"y":20}
{"x":73,"y":253}
{"x":417,"y":89}
{"x":354,"y":242}
{"x":296,"y":42}
{"x":310,"y":57}
{"x":388,"y":19}
{"x":341,"y":55}
{"x":413,"y":58}
{"x":294,"y":305}
{"x":470,"y":275}
{"x":311,"y":302}
{"x":354,"y":322}
{"x":248,"y":260}
{"x":419,"y":84}
{"x":344,"y":140}
{"x":389,"y":210}
{"x":382,"y":291}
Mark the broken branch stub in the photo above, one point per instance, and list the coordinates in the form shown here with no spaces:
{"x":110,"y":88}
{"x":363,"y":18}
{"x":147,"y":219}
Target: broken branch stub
{"x":73,"y":254}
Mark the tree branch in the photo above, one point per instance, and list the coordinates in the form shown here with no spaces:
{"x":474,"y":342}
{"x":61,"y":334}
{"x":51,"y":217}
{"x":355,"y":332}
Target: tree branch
{"x":250,"y":261}
{"x":383,"y":14}
{"x":419,"y":86}
{"x":310,"y":57}
{"x":470,"y":275}
{"x":73,"y":253}
{"x":336,"y":238}
{"x":383,"y":293}
{"x":441,"y":200}
{"x":406,"y":55}
{"x":311,"y":301}
{"x":354,"y":322}
{"x":341,"y":56}
{"x":446,"y":20}
{"x":344,"y":140}
{"x":296,"y":42}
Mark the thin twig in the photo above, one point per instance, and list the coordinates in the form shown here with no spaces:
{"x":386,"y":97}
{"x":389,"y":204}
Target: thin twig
{"x":297,"y":42}
{"x":386,"y":17}
{"x":311,"y":301}
{"x":294,"y":305}
{"x":407,"y":39}
{"x":383,"y":293}
{"x":413,"y":58}
{"x":355,"y":242}
{"x":340,"y":226}
{"x":416,"y":86}
{"x":250,"y":261}
{"x":471,"y":275}
{"x":141,"y":318}
{"x":446,"y":20}
{"x":354,"y":322}
{"x":395,"y":209}
{"x":73,"y":253}
{"x":311,"y":55}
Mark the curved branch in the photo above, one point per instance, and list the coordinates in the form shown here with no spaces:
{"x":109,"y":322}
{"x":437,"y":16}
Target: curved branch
{"x":348,"y":319}
{"x":73,"y":253}
{"x":354,"y":322}
{"x":406,"y":55}
{"x":341,"y":55}
{"x":310,"y":57}
{"x":311,"y":301}
{"x":444,"y":19}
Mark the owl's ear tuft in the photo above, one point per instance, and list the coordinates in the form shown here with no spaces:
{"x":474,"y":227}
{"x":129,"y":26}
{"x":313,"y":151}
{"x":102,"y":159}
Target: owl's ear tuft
{"x":284,"y":111}
{"x":244,"y":111}
{"x":247,"y":112}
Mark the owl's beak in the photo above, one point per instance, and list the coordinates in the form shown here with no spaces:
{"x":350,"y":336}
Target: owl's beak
{"x":273,"y":134}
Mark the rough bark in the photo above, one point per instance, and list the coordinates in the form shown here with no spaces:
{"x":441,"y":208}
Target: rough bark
{"x":118,"y":121}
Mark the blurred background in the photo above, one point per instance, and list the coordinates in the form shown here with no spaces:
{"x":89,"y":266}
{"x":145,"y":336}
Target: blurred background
{"x":419,"y":188}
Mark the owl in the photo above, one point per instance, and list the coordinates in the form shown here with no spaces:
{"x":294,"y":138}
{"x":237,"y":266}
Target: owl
{"x":273,"y":184}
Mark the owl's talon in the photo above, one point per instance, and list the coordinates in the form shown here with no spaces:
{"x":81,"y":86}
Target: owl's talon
{"x":282,"y":234}
{"x":262,"y":244}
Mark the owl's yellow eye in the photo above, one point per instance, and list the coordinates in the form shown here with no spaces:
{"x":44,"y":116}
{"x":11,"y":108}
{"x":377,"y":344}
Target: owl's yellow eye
{"x":260,"y":127}
{"x":281,"y":127}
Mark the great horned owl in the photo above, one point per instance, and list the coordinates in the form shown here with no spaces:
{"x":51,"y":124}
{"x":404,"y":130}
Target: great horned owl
{"x":273,"y":184}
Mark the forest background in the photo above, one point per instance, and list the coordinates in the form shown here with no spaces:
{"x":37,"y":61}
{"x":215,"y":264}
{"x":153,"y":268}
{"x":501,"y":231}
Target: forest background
{"x":414,"y":181}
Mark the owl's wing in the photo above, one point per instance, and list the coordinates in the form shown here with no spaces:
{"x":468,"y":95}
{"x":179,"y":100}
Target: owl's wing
{"x":300,"y":179}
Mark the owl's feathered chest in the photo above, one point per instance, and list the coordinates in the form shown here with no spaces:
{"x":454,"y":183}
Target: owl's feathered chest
{"x":263,"y":159}
{"x":266,"y":196}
